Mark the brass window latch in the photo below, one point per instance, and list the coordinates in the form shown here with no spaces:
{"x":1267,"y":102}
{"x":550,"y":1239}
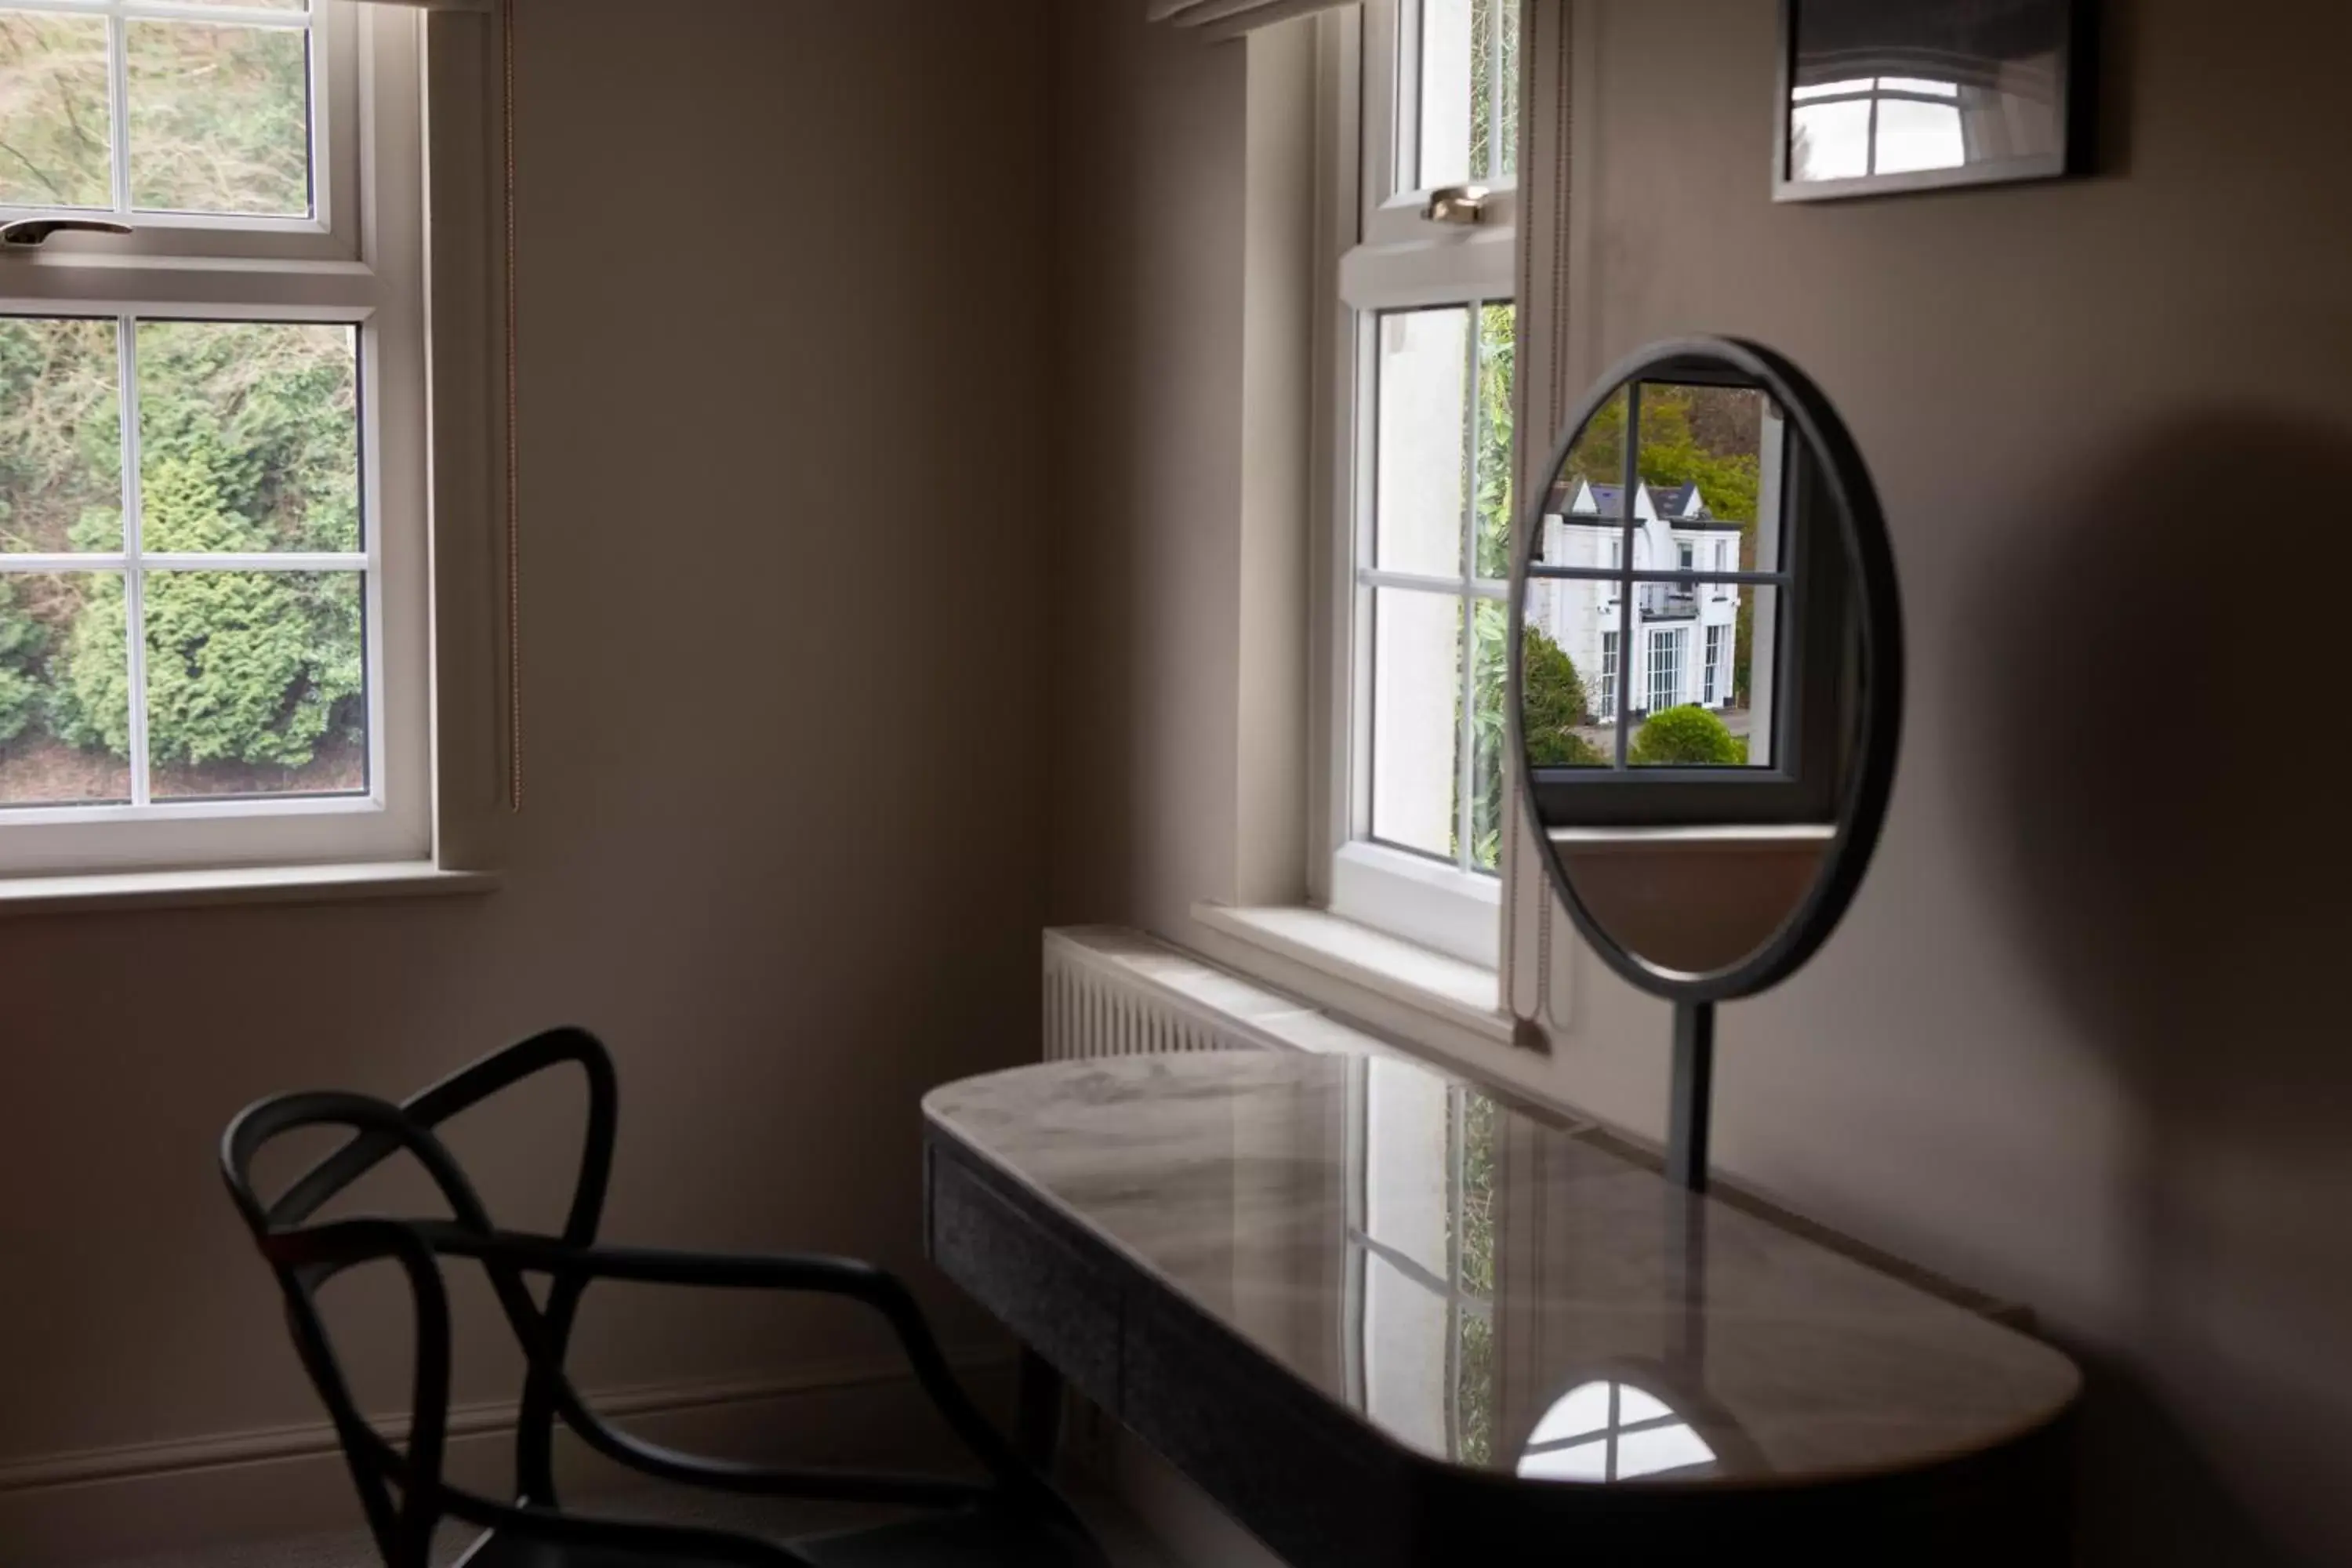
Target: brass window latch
{"x":1464,"y":205}
{"x":32,"y":233}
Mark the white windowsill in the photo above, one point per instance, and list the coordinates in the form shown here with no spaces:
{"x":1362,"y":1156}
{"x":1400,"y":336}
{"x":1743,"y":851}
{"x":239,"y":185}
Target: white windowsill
{"x":237,"y":885}
{"x":1465,"y":996}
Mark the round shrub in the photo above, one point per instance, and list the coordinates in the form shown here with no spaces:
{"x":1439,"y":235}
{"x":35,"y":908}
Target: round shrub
{"x":1687,"y":737}
{"x":1551,"y":695}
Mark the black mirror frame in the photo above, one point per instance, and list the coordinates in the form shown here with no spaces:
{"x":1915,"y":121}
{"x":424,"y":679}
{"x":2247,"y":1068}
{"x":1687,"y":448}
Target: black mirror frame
{"x":1870,"y":781}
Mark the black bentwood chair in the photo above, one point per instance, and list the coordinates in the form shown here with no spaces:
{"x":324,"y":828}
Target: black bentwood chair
{"x":1012,"y":1519}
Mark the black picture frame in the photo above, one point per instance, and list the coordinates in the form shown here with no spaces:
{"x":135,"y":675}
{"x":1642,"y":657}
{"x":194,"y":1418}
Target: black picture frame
{"x":2075,"y":22}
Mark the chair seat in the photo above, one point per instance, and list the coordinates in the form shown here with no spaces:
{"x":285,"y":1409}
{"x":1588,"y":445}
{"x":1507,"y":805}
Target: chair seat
{"x":982,"y":1539}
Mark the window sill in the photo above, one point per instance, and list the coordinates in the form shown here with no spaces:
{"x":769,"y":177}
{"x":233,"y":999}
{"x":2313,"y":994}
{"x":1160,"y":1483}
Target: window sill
{"x":237,"y":885}
{"x":1365,"y":974}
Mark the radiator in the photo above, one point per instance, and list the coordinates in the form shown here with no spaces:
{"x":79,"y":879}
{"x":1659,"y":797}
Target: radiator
{"x":1111,"y":992}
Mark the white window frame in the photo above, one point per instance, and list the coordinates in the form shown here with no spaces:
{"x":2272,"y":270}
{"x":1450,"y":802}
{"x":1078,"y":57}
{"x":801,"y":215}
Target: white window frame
{"x":329,"y":232}
{"x":1389,"y":258}
{"x":359,"y":260}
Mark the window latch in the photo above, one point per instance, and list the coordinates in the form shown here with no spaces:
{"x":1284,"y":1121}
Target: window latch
{"x":1461,"y":204}
{"x":32,"y":233}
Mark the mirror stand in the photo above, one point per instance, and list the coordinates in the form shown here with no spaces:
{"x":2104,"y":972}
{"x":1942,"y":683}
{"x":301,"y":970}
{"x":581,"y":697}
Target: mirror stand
{"x":1705,"y":684}
{"x":1692,"y":1095}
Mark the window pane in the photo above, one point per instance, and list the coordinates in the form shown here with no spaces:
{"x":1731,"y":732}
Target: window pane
{"x":1489,"y":730}
{"x":1448,"y":48}
{"x":55,"y":143}
{"x":1507,"y":86}
{"x":249,"y":436}
{"x":1424,"y":428}
{"x":65,"y":690}
{"x":256,"y":683}
{"x":60,"y":437}
{"x":1416,"y":718}
{"x":1702,"y":688}
{"x":220,"y":118}
{"x":1497,"y":364}
{"x":1468,"y":112}
{"x":1568,"y":673}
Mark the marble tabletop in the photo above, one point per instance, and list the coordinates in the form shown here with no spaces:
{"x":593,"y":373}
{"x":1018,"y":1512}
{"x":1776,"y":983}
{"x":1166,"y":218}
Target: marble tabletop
{"x":1495,"y":1292}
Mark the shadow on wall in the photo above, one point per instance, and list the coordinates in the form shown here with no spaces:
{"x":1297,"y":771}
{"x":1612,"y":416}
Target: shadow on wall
{"x":2166,"y":704}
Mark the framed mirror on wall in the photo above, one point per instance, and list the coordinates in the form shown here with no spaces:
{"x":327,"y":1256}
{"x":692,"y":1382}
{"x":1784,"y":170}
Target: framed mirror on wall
{"x":1878,"y":97}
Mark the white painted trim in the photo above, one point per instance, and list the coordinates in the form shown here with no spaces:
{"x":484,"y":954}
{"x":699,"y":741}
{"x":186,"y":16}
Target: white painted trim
{"x":328,"y":231}
{"x":466,"y":347}
{"x":1423,"y":899}
{"x":1540,"y":967}
{"x":235,"y":885}
{"x":1370,"y":964}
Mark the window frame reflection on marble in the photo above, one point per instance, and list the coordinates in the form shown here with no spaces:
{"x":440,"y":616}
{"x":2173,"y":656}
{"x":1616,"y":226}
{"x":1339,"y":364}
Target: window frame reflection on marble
{"x":1564,"y":1434}
{"x":1450,"y":1272}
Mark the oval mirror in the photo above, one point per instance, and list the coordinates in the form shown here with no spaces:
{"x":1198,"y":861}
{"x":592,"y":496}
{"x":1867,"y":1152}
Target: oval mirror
{"x":1705,"y":669}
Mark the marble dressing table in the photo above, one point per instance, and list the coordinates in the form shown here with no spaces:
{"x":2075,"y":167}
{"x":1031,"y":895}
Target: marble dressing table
{"x":1383,"y":1319}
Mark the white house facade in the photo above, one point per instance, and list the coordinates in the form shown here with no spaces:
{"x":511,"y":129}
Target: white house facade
{"x":1683,"y":633}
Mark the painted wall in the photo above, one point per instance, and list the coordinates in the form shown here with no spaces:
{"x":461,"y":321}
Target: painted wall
{"x":1184,"y":202}
{"x":2067,"y":1046}
{"x":2075,"y":1043}
{"x":740,"y":861}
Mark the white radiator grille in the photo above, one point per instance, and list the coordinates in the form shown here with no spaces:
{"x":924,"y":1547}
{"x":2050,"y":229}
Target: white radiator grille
{"x":1111,"y":992}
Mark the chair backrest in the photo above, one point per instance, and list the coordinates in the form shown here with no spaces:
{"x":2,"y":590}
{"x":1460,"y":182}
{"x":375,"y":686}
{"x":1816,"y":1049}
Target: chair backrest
{"x":306,"y":1254}
{"x":404,"y":1489}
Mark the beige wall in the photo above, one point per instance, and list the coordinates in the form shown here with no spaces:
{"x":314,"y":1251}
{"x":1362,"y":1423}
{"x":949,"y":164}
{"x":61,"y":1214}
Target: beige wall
{"x":784,"y":843}
{"x":2075,"y":1044}
{"x":1149,"y":164}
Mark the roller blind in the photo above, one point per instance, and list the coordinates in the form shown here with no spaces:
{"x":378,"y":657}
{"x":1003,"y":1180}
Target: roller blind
{"x":1216,"y":19}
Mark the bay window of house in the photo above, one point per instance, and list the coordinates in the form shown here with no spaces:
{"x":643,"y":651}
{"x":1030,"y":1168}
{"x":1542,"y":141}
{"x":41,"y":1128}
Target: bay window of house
{"x":1426,"y":402}
{"x":213,"y":555}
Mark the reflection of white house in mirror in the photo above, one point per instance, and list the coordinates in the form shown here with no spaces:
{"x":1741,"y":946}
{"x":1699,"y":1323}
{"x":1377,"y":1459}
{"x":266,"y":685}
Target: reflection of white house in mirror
{"x":1684,"y":633}
{"x":1610,"y":1431}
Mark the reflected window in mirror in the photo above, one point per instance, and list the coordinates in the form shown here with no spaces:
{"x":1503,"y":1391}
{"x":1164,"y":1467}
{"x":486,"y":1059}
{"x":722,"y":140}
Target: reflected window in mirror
{"x":1675,"y":664}
{"x":1706,"y":800}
